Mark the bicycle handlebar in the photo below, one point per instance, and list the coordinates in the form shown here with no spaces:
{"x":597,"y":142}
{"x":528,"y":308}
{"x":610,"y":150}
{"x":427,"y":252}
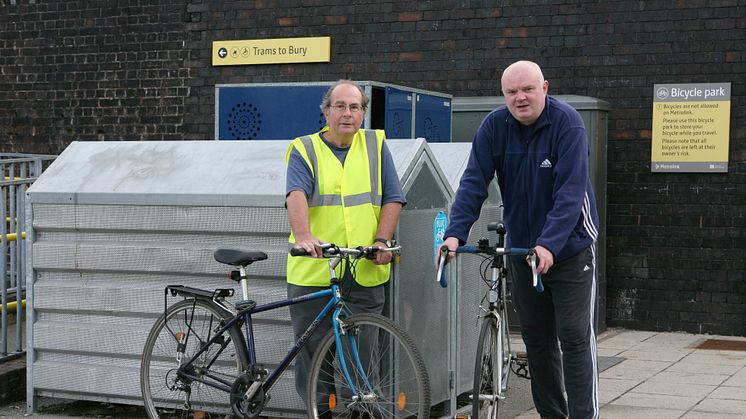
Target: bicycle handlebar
{"x":493,"y":251}
{"x":331,"y":250}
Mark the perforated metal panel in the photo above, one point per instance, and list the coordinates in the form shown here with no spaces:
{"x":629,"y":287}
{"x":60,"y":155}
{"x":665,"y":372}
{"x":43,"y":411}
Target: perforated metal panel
{"x":98,"y":287}
{"x":420,"y":304}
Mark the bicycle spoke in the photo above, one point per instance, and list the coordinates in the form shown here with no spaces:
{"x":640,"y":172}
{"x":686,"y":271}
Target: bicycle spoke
{"x":171,"y":389}
{"x":391,"y":384}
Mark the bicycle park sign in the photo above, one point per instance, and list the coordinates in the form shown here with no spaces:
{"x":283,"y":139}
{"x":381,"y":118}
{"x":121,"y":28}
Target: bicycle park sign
{"x":691,"y":127}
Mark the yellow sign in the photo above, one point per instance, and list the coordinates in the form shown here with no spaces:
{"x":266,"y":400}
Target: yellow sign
{"x":691,"y":127}
{"x":271,"y":51}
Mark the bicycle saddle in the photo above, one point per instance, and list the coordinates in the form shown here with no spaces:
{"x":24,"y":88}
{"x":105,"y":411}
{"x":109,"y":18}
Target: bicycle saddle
{"x":238,"y":257}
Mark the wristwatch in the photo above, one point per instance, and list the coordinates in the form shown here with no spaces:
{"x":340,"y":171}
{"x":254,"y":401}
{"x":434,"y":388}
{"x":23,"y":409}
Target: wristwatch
{"x":387,"y":242}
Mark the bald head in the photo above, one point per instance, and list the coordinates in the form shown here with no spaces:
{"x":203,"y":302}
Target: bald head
{"x":525,"y":91}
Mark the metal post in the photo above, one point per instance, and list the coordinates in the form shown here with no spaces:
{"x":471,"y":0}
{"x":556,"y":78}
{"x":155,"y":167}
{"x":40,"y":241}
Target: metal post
{"x":3,"y":262}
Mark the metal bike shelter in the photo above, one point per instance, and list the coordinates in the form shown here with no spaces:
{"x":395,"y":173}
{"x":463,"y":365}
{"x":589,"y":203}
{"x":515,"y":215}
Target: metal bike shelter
{"x":112,"y":223}
{"x":464,"y":272}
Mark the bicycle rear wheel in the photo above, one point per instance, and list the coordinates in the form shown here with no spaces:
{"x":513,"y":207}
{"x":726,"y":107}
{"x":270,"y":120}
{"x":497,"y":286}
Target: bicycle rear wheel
{"x":388,"y":373}
{"x":491,"y":369}
{"x":175,"y":337}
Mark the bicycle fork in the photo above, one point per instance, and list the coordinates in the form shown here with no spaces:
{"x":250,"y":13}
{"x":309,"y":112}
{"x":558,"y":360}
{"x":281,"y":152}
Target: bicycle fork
{"x":340,"y":330}
{"x":496,"y":298}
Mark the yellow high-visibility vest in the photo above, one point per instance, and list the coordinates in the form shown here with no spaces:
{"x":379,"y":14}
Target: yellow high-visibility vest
{"x":345,"y":206}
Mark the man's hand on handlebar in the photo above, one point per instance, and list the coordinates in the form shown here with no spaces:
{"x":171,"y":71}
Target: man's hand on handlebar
{"x":452,"y":244}
{"x":382,"y":258}
{"x":546,"y":259}
{"x":309,"y":243}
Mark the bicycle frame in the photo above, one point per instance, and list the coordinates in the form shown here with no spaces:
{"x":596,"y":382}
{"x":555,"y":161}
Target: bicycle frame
{"x":334,"y":304}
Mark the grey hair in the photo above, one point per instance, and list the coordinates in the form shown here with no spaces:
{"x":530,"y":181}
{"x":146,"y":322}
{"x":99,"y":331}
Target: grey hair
{"x":327,"y":100}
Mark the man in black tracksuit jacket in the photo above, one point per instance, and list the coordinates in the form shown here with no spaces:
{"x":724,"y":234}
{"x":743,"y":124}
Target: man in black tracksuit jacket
{"x":538,"y":148}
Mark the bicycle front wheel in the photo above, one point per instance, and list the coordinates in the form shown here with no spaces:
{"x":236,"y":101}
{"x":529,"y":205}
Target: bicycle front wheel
{"x":383,"y":365}
{"x":491,"y":369}
{"x":171,"y":388}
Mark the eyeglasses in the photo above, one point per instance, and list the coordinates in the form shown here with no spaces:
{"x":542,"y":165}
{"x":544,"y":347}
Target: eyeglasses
{"x":341,"y":107}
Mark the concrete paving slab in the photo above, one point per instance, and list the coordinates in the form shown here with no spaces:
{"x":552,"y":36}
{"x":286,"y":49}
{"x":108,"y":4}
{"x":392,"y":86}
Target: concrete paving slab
{"x":729,"y":393}
{"x":624,"y":340}
{"x":672,"y":377}
{"x":698,"y":391}
{"x":704,"y":356}
{"x":705,"y":367}
{"x":611,"y":388}
{"x":706,"y":415}
{"x":655,"y":401}
{"x":629,"y":412}
{"x":733,"y":407}
{"x":738,"y":379}
{"x":635,"y":370}
{"x":651,"y":354}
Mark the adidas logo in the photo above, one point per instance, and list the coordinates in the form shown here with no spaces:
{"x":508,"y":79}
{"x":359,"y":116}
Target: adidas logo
{"x":586,"y":268}
{"x":546,"y":164}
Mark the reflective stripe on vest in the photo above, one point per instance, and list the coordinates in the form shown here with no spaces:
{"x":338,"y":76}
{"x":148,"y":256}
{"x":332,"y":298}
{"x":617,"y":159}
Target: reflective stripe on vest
{"x":317,"y":199}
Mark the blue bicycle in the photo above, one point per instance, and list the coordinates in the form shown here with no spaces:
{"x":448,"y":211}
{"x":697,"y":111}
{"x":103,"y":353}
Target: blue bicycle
{"x":199,"y":363}
{"x":494,"y":360}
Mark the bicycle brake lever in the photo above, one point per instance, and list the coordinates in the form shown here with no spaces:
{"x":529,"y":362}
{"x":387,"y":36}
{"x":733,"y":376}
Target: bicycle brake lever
{"x":536,"y":275}
{"x":441,"y":275}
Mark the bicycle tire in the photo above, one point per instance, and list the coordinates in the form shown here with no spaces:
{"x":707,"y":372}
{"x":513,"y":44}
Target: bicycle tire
{"x":402,"y":391}
{"x":491,"y":368}
{"x":160,"y":361}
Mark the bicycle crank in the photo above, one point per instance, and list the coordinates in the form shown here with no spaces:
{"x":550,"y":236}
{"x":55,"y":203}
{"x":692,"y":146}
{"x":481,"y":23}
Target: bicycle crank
{"x":247,"y":397}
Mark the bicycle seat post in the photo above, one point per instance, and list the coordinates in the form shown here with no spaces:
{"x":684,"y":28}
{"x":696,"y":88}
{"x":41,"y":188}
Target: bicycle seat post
{"x":244,"y":283}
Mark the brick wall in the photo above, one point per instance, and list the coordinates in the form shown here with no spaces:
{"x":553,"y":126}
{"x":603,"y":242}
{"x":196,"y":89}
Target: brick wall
{"x":86,"y":70}
{"x":676,"y":242}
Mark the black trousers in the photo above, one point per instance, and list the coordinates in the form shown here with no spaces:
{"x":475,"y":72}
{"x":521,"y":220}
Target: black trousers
{"x":558,"y":328}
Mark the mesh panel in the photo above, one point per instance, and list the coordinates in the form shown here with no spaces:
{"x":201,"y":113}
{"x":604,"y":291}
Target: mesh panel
{"x":425,"y":192}
{"x":220,"y":220}
{"x":418,"y":293}
{"x":100,"y":274}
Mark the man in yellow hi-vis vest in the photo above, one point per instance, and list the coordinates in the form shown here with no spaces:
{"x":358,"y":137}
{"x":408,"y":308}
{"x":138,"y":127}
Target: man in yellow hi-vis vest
{"x":342,"y":188}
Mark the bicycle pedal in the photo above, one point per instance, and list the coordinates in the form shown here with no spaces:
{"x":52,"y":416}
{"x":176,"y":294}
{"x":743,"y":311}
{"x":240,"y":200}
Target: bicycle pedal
{"x":520,"y":356}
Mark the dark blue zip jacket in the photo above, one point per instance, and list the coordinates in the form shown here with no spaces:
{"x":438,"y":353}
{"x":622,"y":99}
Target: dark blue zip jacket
{"x":543,"y":179}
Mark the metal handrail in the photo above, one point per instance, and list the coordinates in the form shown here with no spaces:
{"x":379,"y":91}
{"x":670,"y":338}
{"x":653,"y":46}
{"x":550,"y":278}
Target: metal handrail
{"x":17,"y":172}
